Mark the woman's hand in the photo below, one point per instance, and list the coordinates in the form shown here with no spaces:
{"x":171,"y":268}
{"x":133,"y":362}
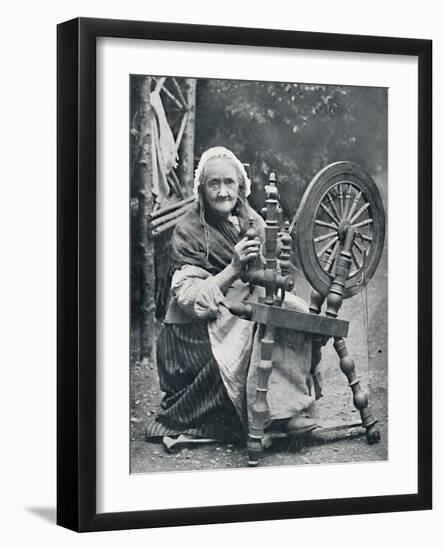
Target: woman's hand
{"x":244,"y":251}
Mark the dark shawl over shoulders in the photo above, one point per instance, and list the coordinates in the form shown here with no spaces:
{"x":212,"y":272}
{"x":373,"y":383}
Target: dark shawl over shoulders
{"x":189,"y":243}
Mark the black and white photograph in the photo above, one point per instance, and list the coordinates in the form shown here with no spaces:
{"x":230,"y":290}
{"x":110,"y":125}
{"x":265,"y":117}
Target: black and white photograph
{"x":221,"y":267}
{"x":259,"y":276}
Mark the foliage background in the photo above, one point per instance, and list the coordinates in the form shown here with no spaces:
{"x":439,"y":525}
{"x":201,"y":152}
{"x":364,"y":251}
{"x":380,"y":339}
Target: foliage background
{"x":294,"y":129}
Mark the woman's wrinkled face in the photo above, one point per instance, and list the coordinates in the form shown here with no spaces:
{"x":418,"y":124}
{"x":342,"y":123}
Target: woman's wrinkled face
{"x":220,"y":186}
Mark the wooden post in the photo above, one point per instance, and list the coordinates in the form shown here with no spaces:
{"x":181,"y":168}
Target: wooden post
{"x":343,"y":266}
{"x":145,"y":245}
{"x":360,"y":398}
{"x":260,"y":407}
{"x":317,"y":342}
{"x":347,"y":365}
{"x":186,"y":153}
{"x":271,"y":231}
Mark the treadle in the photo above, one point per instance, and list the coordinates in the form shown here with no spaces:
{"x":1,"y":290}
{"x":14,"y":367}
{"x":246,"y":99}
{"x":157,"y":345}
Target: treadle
{"x":327,"y":427}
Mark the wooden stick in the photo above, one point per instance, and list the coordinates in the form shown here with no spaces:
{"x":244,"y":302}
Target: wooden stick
{"x":330,"y":214}
{"x":159,"y":83}
{"x":162,"y":228}
{"x":327,"y":247}
{"x":340,"y":198}
{"x":364,"y":222}
{"x":181,"y":131}
{"x":180,"y":93}
{"x":363,"y":237}
{"x":177,"y":181}
{"x":186,"y":167}
{"x":348,"y":196}
{"x":174,"y":186}
{"x":358,"y":247}
{"x":359,"y":213}
{"x":356,"y":260}
{"x":172,"y":97}
{"x":170,"y":208}
{"x":165,"y":218}
{"x":333,"y":206}
{"x":145,"y":246}
{"x":354,"y":204}
{"x":322,"y":238}
{"x":332,"y":256}
{"x":325,"y":224}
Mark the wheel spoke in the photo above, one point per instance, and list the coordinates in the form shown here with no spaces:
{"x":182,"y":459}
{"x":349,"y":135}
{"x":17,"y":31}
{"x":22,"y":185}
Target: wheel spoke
{"x":325,"y":224}
{"x":364,"y":237}
{"x":332,"y":256}
{"x":322,"y":238}
{"x":348,"y":196}
{"x":333,"y":205}
{"x":360,"y":212}
{"x":340,"y":198}
{"x":354,"y":204}
{"x":364,"y":222}
{"x":356,"y":260}
{"x":327,"y":247}
{"x":329,"y":213}
{"x":358,"y":247}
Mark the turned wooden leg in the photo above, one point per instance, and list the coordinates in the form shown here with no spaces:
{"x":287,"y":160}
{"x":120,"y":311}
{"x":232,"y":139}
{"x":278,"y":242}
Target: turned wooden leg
{"x":260,"y":407}
{"x":317,"y":301}
{"x":360,"y":398}
{"x":317,"y":342}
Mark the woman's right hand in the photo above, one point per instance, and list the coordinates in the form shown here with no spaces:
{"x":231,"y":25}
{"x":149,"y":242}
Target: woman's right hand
{"x":244,"y":251}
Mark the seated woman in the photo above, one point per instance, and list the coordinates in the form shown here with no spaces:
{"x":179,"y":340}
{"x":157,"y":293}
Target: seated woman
{"x":206,"y":357}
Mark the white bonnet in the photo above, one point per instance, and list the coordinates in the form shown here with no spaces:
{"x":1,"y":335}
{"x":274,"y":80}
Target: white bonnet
{"x":220,"y":152}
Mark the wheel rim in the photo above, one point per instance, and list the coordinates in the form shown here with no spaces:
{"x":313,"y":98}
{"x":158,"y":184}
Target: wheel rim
{"x":340,"y":195}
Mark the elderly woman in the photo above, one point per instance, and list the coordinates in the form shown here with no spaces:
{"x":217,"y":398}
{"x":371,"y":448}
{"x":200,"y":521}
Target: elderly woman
{"x":206,"y":357}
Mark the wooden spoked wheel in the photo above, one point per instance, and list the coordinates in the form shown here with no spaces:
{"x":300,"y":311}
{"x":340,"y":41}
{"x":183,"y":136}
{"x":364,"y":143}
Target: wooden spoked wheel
{"x":339,"y":196}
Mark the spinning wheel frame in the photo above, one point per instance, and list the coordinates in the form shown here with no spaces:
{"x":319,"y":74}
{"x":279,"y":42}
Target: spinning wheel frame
{"x":340,"y":195}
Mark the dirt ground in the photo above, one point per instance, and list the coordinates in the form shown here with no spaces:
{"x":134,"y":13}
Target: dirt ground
{"x":369,"y":350}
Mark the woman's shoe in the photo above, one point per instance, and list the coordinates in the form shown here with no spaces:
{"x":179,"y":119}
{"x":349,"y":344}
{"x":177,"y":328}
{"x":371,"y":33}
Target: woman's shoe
{"x":299,"y":424}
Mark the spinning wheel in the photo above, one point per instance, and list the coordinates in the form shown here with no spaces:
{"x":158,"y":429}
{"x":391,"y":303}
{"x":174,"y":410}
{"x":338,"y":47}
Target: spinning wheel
{"x":339,"y":236}
{"x":340,"y":196}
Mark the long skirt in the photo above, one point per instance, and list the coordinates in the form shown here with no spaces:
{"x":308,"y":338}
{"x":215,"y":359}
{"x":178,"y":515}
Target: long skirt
{"x":196,"y":401}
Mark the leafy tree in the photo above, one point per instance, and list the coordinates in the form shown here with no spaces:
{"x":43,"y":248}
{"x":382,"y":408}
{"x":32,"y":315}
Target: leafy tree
{"x":292,"y":129}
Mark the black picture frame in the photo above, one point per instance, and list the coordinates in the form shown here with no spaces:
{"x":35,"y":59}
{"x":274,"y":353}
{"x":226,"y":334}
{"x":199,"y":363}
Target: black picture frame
{"x":76,"y":266}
